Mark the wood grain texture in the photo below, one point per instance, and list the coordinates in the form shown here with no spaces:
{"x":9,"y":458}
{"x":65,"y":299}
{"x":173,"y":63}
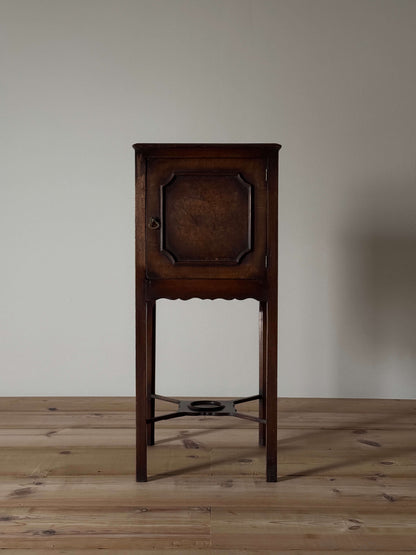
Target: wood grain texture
{"x":346,"y":480}
{"x":191,"y":234}
{"x":206,"y":226}
{"x":211,"y":213}
{"x":142,"y":317}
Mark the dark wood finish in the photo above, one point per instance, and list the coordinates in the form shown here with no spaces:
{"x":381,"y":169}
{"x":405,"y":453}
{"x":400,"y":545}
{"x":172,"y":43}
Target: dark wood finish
{"x":271,"y":324}
{"x":193,"y":235}
{"x":150,"y":368}
{"x":141,"y":335}
{"x":206,"y":226}
{"x":262,"y":372}
{"x":205,"y":289}
{"x":204,"y":222}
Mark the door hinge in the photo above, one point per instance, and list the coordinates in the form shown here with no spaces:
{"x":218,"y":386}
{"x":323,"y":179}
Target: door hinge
{"x":266,"y":173}
{"x":266,"y":261}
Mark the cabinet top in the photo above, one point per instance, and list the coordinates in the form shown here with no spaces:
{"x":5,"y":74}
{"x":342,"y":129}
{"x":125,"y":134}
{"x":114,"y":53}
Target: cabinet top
{"x":204,"y":149}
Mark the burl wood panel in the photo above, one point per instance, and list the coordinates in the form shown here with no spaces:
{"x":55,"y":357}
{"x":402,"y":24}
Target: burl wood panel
{"x":206,"y":218}
{"x":212,"y":215}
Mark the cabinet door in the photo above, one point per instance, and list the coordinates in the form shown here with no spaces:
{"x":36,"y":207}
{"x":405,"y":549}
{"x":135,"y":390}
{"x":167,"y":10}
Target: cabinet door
{"x":206,"y":217}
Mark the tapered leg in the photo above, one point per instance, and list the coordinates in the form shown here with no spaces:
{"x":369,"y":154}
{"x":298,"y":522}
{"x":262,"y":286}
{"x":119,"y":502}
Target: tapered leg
{"x":141,"y":336}
{"x":271,"y":390}
{"x":150,"y":368}
{"x":262,"y":371}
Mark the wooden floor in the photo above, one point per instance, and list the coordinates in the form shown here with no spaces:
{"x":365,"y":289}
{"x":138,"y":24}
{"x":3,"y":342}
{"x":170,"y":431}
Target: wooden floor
{"x":347,"y":472}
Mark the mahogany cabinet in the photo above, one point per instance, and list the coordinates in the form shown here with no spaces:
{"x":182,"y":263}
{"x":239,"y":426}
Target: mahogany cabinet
{"x":206,"y":226}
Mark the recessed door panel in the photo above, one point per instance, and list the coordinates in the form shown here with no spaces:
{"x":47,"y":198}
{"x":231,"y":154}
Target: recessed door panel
{"x":206,"y":215}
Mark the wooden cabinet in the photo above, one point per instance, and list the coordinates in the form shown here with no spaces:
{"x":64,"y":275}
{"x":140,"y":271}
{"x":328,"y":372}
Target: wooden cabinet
{"x":206,"y":226}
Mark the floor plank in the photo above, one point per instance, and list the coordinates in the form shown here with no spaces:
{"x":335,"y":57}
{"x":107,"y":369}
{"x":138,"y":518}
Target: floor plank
{"x":317,"y":530}
{"x":346,"y":484}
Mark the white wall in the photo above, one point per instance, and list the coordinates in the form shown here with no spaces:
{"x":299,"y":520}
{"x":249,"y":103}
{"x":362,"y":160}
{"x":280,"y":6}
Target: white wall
{"x":333,"y":81}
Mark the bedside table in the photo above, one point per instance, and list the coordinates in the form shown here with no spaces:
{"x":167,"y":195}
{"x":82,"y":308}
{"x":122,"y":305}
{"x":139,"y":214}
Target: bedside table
{"x":206,"y":226}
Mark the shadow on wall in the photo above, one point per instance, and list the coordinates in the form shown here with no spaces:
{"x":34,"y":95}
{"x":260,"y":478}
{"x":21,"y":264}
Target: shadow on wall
{"x":376,"y":323}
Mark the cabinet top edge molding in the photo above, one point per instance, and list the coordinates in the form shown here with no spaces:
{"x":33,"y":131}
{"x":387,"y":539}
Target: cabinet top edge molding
{"x":199,"y":149}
